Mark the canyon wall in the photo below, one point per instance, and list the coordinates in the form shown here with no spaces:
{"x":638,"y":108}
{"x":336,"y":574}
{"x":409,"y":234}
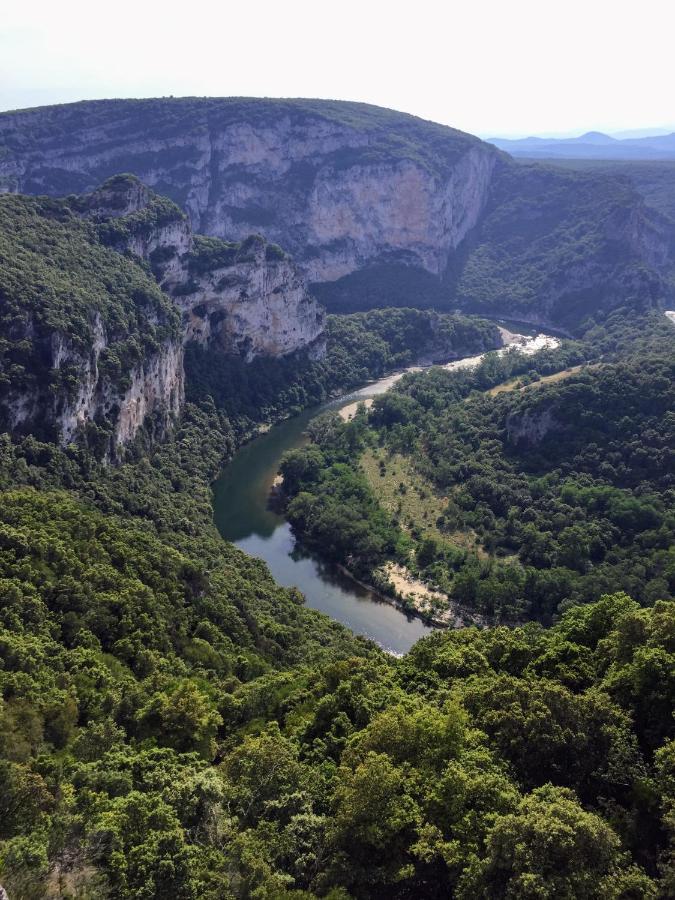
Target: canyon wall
{"x":99,"y":293}
{"x":377,"y":208}
{"x":245,"y":297}
{"x":338,"y":185}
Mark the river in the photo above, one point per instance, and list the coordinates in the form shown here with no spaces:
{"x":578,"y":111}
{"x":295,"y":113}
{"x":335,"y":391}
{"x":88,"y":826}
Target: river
{"x":243,"y":516}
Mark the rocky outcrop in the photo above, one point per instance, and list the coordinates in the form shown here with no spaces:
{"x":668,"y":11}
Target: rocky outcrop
{"x":376,"y":207}
{"x":93,"y":347}
{"x":243,"y":297}
{"x":532,"y":426}
{"x":153,"y":390}
{"x":256,"y":304}
{"x":339,"y":185}
{"x":157,"y":387}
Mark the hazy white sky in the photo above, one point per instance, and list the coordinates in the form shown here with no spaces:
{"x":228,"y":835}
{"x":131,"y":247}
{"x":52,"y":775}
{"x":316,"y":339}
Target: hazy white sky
{"x":489,"y":67}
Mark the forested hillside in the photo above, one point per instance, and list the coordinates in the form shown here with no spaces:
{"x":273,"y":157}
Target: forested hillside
{"x":654,"y":179}
{"x":77,"y":323}
{"x":551,"y":489}
{"x":175,"y":724}
{"x":379,"y":208}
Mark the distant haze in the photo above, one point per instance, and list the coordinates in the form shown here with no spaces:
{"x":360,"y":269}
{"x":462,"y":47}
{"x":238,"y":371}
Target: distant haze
{"x":594,"y":145}
{"x":491,"y":68}
{"x":628,"y":134}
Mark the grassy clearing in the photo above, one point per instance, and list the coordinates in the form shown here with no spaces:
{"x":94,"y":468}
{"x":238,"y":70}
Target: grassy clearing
{"x":404,"y":493}
{"x":516,"y":383}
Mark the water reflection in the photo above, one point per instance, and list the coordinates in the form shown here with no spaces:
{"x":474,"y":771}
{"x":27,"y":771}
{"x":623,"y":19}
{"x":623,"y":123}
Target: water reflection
{"x":243,"y":515}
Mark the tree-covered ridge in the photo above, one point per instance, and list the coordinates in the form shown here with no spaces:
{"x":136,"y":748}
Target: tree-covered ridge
{"x":151,"y":744}
{"x":551,"y":494}
{"x":208,"y":253}
{"x":654,"y":179}
{"x":174,"y":723}
{"x":562,"y":245}
{"x":58,"y":284}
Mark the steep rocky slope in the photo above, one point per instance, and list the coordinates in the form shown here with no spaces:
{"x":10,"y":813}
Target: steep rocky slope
{"x":377,"y":207}
{"x":336,"y":184}
{"x":92,"y":346}
{"x":246,"y":297}
{"x":558,"y":246}
{"x":88,"y":339}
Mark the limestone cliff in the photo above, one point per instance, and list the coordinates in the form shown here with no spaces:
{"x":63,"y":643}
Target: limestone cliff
{"x":532,"y":426}
{"x":100,"y":292}
{"x":338,"y":185}
{"x":255,"y":302}
{"x":378,"y":208}
{"x":91,"y":347}
{"x":244,"y":297}
{"x":153,"y":388}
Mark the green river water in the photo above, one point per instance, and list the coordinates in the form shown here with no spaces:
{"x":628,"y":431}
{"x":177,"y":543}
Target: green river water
{"x":243,"y":516}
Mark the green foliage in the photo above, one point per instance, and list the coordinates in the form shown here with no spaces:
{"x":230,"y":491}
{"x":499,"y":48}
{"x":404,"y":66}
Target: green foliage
{"x":361,"y":347}
{"x":550,"y":847}
{"x":58,"y":286}
{"x":208,"y":253}
{"x":172,"y":723}
{"x":653,"y":179}
{"x":555,"y":494}
{"x":541,"y":227}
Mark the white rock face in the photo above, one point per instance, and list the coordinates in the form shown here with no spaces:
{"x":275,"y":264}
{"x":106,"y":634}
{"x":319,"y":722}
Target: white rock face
{"x":84,"y":405}
{"x":531,"y":427}
{"x":367,"y":213}
{"x":338,"y":187}
{"x":256,"y":308}
{"x":156,"y":389}
{"x":157,"y":386}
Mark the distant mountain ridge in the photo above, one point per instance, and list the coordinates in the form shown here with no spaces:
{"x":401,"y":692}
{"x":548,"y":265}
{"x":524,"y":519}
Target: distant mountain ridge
{"x":592,"y":145}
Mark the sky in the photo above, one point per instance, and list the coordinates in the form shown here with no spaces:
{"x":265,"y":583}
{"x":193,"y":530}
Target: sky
{"x":508,"y":68}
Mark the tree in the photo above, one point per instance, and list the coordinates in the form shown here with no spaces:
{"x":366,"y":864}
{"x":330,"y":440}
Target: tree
{"x":550,"y":848}
{"x":184,"y":719}
{"x":374,"y":822}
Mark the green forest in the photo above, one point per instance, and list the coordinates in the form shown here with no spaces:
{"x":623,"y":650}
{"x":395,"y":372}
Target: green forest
{"x":554,"y":493}
{"x":175,"y":724}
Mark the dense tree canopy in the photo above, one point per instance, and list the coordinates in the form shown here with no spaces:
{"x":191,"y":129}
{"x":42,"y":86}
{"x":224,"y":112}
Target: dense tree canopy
{"x":173,"y":723}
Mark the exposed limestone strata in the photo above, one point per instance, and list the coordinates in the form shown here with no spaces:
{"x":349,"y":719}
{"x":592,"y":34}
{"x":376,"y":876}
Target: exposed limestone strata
{"x":531,"y":427}
{"x":247,"y":298}
{"x":100,"y":343}
{"x":338,"y":185}
{"x":376,"y":207}
{"x":157,"y":384}
{"x":253,"y":306}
